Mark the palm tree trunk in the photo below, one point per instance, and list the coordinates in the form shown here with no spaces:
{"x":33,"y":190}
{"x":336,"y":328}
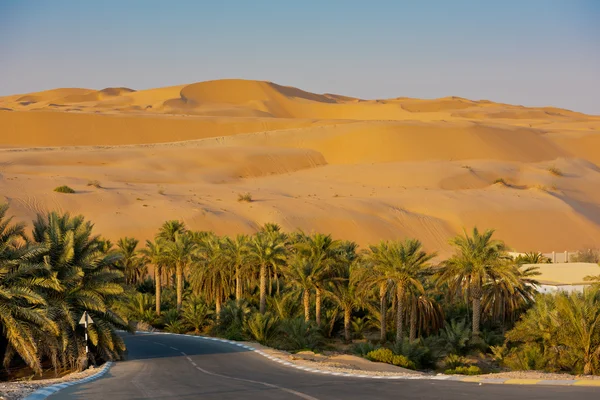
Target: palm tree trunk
{"x":277,"y":283}
{"x":179,"y":274}
{"x":476,"y":292}
{"x":347,"y":315}
{"x":263,"y":288}
{"x":218,"y":306}
{"x":318,"y":306}
{"x":306,"y":298}
{"x":238,"y":284}
{"x":383,"y":311}
{"x":157,"y":283}
{"x":413,"y":320}
{"x":399,"y":313}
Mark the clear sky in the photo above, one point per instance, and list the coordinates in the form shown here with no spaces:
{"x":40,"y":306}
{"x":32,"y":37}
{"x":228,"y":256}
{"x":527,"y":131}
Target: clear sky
{"x":530,"y":52}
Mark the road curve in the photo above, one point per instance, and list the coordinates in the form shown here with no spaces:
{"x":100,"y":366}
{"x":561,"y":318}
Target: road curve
{"x":180,"y":367}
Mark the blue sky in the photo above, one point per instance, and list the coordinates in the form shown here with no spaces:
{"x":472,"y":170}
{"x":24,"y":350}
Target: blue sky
{"x":530,"y":52}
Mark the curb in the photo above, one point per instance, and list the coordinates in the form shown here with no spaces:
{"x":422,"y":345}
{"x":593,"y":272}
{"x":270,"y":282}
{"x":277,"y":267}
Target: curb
{"x":46,"y":391}
{"x":439,"y":377}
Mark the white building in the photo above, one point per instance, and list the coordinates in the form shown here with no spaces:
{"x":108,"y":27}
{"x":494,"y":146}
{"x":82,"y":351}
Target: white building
{"x":567,"y":277}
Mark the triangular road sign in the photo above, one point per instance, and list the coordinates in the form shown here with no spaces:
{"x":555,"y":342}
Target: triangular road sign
{"x":84,"y":317}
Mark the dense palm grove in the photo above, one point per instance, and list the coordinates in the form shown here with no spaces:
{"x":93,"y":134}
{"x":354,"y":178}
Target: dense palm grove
{"x":391,"y":302}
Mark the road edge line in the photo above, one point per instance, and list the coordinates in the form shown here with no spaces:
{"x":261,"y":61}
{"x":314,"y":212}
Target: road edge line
{"x":45,"y":391}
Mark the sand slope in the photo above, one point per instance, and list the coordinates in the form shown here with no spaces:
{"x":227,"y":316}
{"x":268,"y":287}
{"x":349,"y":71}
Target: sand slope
{"x":364,"y":170}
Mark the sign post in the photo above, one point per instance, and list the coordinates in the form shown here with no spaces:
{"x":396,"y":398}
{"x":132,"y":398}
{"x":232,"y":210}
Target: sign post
{"x":85,"y":321}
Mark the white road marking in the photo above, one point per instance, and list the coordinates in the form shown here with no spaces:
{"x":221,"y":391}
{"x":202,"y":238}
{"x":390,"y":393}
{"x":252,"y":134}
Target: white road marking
{"x":174,"y":348}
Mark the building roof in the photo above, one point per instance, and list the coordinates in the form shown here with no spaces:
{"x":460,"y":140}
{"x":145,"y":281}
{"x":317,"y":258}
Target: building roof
{"x":565,"y":273}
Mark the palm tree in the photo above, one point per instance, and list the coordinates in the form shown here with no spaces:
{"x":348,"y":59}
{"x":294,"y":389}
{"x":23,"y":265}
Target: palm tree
{"x":300,"y":273}
{"x":211,"y":271}
{"x":403,"y":264}
{"x":478,"y":260}
{"x":267,"y":250}
{"x":170,"y":229}
{"x":154,"y":254}
{"x":131,"y":265}
{"x":324,"y":254}
{"x":23,"y":316}
{"x":195,"y":313}
{"x":504,"y":299}
{"x":180,"y":253}
{"x":238,"y":250}
{"x":533,"y":258}
{"x":89,"y":282}
{"x":371,"y":277}
{"x":344,"y":292}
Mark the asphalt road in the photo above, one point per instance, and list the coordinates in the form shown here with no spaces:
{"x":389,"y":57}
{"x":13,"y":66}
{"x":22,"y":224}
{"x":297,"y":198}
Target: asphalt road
{"x":179,"y":367}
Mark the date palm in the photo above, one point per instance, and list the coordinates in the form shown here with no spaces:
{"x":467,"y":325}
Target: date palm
{"x":89,"y":282}
{"x":403,"y":264}
{"x":324,"y":254}
{"x":154,"y":253}
{"x":211,"y":272}
{"x":23,"y":316}
{"x":131,"y":264}
{"x":180,"y":253}
{"x":268,"y":252}
{"x":239,"y":252}
{"x":345,"y":293}
{"x":478,"y":260}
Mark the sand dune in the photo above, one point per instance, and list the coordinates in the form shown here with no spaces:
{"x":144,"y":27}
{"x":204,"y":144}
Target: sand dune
{"x":364,"y":170}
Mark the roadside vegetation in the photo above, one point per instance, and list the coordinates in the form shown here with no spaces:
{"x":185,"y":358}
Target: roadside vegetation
{"x":391,"y":302}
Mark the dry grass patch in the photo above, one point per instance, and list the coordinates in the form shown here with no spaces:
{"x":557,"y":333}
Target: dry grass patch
{"x":247,"y":197}
{"x":95,"y":184}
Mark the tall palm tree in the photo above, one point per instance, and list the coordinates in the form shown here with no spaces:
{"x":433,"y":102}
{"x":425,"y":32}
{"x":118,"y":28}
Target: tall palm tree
{"x":478,"y":260}
{"x":154,"y":253}
{"x":23,"y":316}
{"x":239,"y":253}
{"x":504,"y":300}
{"x":267,"y":251}
{"x":403,"y":264}
{"x":170,"y":229}
{"x":324,"y":255}
{"x":301,"y":274}
{"x":211,"y":272}
{"x":345,"y":293}
{"x":371,"y":278}
{"x":130,"y":264}
{"x":89,"y":281}
{"x":180,"y":253}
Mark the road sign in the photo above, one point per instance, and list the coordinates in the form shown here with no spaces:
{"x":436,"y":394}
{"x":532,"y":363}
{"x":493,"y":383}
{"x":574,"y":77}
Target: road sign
{"x":86,"y":319}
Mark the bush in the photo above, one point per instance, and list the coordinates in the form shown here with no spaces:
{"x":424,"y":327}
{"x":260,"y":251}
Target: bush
{"x":298,"y":334}
{"x":232,"y":320}
{"x":555,"y":171}
{"x":195,"y":313}
{"x":362,"y":349}
{"x":454,"y":360}
{"x":247,"y":197}
{"x":528,"y":357}
{"x":387,"y":356}
{"x":169,"y":317}
{"x":263,"y":328}
{"x":416,"y":352}
{"x":176,"y":327}
{"x":586,"y":256}
{"x":64,"y":189}
{"x":501,"y":180}
{"x":95,"y":184}
{"x":471,"y":370}
{"x":455,"y":337}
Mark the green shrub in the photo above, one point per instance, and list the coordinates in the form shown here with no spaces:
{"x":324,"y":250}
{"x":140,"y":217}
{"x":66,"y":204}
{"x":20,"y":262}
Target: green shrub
{"x":168,"y":317}
{"x":455,"y":337}
{"x":416,"y":352}
{"x":263,"y":328}
{"x":64,"y":189}
{"x":298,"y":334}
{"x":176,"y":327}
{"x":362,"y":349}
{"x":528,"y":357}
{"x":387,"y":356}
{"x":501,"y":180}
{"x":195,"y":313}
{"x":471,"y":370}
{"x":453,"y":361}
{"x":232,"y":320}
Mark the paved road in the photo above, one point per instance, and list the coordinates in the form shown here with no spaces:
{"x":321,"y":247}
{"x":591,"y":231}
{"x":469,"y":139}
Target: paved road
{"x":179,"y":367}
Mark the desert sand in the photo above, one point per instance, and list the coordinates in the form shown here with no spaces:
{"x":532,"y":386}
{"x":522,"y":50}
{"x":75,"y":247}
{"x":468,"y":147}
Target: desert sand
{"x":364,"y":170}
